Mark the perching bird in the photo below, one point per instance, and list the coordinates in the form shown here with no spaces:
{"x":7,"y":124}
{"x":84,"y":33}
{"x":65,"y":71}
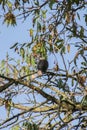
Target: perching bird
{"x":42,"y":65}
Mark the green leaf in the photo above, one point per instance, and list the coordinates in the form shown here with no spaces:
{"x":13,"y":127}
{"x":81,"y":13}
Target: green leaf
{"x":17,"y":127}
{"x":7,"y":70}
{"x":74,"y":30}
{"x":34,"y":20}
{"x":2,"y":63}
{"x":15,"y":45}
{"x":59,"y":40}
{"x":30,"y":126}
{"x":84,"y":64}
{"x":18,"y":61}
{"x":81,"y":32}
{"x":33,"y":61}
{"x":68,"y":118}
{"x":84,"y":101}
{"x":35,"y":127}
{"x":77,"y":2}
{"x":44,"y":13}
{"x":9,"y":4}
{"x":22,"y":52}
{"x":72,"y":82}
{"x":63,"y":50}
{"x":1,"y":1}
{"x":37,"y":12}
{"x":51,"y":3}
{"x":38,"y":27}
{"x":36,"y":3}
{"x":60,"y":45}
{"x":15,"y":74}
{"x":86,"y":19}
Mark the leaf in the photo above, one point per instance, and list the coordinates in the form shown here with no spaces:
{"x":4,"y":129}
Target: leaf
{"x":15,"y":45}
{"x":37,"y":12}
{"x":60,"y":45}
{"x":18,"y":62}
{"x":17,"y":4}
{"x":8,"y":106}
{"x":84,"y":101}
{"x":74,"y":30}
{"x":77,"y":2}
{"x":84,"y":64}
{"x":44,"y":13}
{"x":33,"y":61}
{"x":9,"y":4}
{"x":36,"y":3}
{"x":51,"y":48}
{"x":68,"y":17}
{"x":22,"y":52}
{"x":43,"y":28}
{"x":16,"y":50}
{"x":31,"y":32}
{"x":30,"y":126}
{"x":38,"y":27}
{"x":15,"y":74}
{"x":17,"y":127}
{"x":1,"y":1}
{"x":68,"y":48}
{"x":22,"y":71}
{"x":68,"y":118}
{"x":59,"y":40}
{"x":59,"y":83}
{"x":81,"y":32}
{"x":35,"y":127}
{"x":86,"y":19}
{"x":7,"y":71}
{"x":63,"y":50}
{"x":34,"y":20}
{"x":78,"y":15}
{"x":72,"y":82}
{"x":51,"y":3}
{"x":2,"y":63}
{"x":10,"y":19}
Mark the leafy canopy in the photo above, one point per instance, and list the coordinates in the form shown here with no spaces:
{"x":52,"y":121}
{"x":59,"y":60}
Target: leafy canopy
{"x":58,"y":98}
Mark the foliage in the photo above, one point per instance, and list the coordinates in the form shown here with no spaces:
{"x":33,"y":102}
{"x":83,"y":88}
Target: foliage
{"x":30,"y":126}
{"x":56,"y":100}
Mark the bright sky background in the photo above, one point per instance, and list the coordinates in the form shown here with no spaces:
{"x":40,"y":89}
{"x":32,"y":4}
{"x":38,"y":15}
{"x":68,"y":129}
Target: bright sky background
{"x":10,"y":35}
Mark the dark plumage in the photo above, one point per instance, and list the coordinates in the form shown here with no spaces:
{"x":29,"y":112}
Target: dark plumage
{"x":42,"y":65}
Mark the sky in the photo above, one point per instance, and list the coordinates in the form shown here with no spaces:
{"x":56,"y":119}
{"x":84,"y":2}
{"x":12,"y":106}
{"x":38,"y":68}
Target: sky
{"x":10,"y":35}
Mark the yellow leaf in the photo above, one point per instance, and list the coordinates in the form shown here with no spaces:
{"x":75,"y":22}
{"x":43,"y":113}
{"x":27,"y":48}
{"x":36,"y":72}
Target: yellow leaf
{"x":31,"y":32}
{"x":9,"y":4}
{"x":68,"y":48}
{"x":68,"y":17}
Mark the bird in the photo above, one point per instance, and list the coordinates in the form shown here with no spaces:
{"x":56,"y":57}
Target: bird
{"x":42,"y":65}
